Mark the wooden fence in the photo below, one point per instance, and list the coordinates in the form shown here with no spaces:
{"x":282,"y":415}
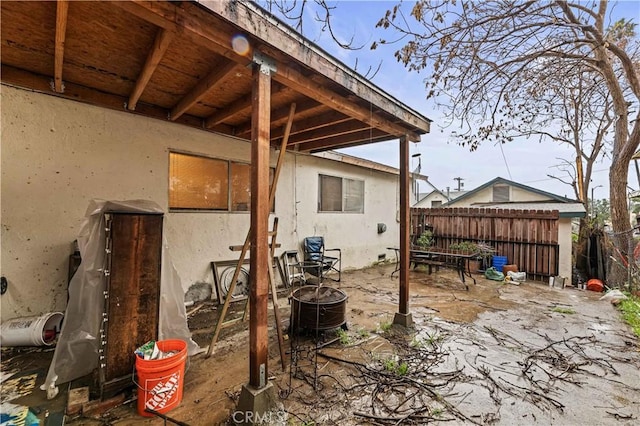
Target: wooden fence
{"x":529,"y":238}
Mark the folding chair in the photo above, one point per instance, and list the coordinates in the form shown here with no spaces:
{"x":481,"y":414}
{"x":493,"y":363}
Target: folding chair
{"x":289,"y":260}
{"x":314,"y":250}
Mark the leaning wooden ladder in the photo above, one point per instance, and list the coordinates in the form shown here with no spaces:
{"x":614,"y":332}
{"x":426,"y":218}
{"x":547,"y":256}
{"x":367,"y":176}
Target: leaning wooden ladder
{"x":243,"y":252}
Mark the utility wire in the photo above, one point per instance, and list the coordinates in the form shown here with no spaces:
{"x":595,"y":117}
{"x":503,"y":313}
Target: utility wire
{"x":505,"y":161}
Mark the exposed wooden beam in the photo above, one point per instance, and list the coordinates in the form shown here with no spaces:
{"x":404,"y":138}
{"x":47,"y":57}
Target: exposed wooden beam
{"x":196,"y":25}
{"x":204,"y":86}
{"x":62,"y":12}
{"x":259,"y":289}
{"x":160,"y":45}
{"x":280,"y":115}
{"x":328,"y":133}
{"x":207,"y":31}
{"x":313,"y":123}
{"x":238,"y":106}
{"x":40,"y":83}
{"x":368,"y":141}
{"x":307,"y":87}
{"x":357,"y":138}
{"x":254,"y":20}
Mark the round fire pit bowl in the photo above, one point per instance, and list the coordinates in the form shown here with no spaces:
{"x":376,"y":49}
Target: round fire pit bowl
{"x":318,"y":308}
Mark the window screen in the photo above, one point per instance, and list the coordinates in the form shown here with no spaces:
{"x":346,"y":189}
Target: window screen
{"x":353,"y":195}
{"x":330,"y":194}
{"x":340,"y":195}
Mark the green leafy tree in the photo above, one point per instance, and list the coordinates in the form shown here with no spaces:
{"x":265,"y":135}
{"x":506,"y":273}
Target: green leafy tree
{"x":601,"y":212}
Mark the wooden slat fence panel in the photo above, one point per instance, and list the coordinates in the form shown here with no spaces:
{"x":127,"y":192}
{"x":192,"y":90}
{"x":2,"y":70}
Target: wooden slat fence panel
{"x":529,"y":238}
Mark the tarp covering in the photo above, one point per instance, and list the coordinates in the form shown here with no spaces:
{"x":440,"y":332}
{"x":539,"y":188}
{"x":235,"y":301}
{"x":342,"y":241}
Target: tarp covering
{"x":77,"y":350}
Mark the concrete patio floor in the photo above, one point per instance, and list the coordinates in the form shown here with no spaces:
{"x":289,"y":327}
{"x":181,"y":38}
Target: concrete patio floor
{"x":496,"y":354}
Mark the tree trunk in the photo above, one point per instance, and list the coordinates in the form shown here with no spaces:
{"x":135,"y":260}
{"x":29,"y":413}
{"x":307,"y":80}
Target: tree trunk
{"x":580,"y":248}
{"x":618,"y":173}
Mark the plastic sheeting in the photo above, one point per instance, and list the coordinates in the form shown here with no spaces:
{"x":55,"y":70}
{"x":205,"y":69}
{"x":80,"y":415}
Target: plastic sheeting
{"x":77,"y":350}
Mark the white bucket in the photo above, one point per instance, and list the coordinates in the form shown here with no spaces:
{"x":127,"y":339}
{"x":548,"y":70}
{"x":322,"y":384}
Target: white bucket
{"x":31,"y":331}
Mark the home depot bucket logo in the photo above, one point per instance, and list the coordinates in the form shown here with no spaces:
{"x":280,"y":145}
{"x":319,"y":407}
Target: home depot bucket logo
{"x":160,"y":396}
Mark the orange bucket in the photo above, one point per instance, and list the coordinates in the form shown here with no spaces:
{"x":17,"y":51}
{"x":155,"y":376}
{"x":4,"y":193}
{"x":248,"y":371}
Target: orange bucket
{"x":161,"y":381}
{"x":595,"y":284}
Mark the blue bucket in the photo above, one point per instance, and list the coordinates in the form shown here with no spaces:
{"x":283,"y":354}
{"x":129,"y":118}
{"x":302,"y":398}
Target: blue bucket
{"x":499,"y":262}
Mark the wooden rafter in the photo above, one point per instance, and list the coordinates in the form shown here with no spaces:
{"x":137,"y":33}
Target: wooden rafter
{"x":160,"y":45}
{"x":346,"y":144}
{"x":328,"y":132}
{"x":62,"y":12}
{"x":238,"y":106}
{"x":339,"y":141}
{"x":314,"y":123}
{"x":280,"y":116}
{"x":76,"y":92}
{"x":307,"y":87}
{"x":204,"y":86}
{"x":193,"y":25}
{"x":252,"y":19}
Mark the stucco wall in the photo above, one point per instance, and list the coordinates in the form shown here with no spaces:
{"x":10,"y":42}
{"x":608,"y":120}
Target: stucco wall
{"x":564,"y":240}
{"x":57,"y":155}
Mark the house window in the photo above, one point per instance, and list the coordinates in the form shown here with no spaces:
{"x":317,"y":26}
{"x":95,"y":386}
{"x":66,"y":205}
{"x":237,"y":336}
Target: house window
{"x":340,"y":194}
{"x":435,"y":203}
{"x":203,"y":183}
{"x":500,"y":193}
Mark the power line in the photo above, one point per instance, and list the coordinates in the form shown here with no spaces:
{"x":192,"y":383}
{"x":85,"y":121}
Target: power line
{"x":505,"y":161}
{"x":546,"y":179}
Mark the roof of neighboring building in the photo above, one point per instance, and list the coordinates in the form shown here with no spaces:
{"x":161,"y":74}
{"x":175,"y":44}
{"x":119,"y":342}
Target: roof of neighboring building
{"x":573,"y":209}
{"x":504,"y":181}
{"x":452,"y":194}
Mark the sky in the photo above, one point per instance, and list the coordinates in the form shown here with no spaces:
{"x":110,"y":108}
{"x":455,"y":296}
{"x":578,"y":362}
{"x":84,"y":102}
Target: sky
{"x":524,"y":161}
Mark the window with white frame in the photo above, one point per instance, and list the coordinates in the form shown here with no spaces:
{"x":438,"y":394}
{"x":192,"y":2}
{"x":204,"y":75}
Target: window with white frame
{"x":500,"y":193}
{"x":337,"y":194}
{"x":204,"y":183}
{"x":436,"y":203}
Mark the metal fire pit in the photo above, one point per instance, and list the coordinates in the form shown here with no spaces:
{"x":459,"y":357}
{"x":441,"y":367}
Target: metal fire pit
{"x":318,"y":308}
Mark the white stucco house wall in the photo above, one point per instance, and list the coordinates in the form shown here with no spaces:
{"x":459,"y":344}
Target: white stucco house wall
{"x":58,"y":154}
{"x":500,"y":193}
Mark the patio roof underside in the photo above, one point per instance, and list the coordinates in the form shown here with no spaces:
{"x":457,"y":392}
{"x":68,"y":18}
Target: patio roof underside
{"x":175,"y":61}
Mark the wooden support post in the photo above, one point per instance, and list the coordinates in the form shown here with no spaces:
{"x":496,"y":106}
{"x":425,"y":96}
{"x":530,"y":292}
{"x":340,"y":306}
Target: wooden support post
{"x":403,"y":317}
{"x":245,"y":247}
{"x":259,"y":289}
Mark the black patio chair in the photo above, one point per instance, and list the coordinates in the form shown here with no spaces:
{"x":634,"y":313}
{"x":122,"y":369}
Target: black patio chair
{"x":314,"y":251}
